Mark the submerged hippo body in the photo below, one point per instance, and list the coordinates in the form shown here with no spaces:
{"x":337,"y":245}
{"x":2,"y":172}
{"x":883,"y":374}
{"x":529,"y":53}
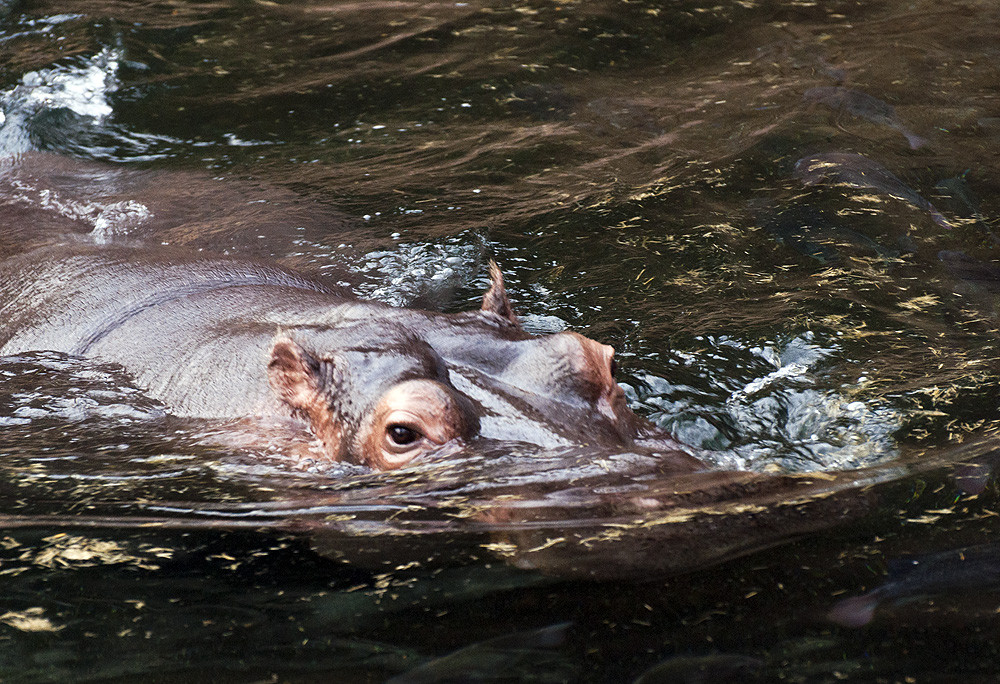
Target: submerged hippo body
{"x":215,"y":337}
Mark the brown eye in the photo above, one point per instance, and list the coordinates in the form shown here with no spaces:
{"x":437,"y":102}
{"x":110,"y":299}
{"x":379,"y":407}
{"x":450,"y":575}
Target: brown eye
{"x":400,"y":435}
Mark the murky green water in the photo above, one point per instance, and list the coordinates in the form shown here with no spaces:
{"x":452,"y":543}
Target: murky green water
{"x":781,"y":214}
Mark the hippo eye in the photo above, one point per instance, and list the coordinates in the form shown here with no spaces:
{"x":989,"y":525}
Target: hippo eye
{"x":401,"y":435}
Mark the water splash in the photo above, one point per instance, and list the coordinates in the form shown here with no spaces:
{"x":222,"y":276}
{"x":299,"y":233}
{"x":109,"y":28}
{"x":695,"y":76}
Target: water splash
{"x":77,"y":90}
{"x":771,"y":406}
{"x":48,"y":385}
{"x":422,"y":273}
{"x":69,"y":108}
{"x":416,"y":270}
{"x":108,"y":220}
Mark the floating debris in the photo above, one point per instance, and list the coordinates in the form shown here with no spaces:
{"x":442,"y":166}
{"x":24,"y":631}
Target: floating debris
{"x":858,"y":171}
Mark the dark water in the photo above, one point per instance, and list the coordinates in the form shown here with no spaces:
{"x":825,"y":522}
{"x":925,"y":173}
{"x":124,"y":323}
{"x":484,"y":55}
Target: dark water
{"x":633,"y":166}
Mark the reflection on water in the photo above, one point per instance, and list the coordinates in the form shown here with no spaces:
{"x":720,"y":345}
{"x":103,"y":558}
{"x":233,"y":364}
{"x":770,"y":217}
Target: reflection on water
{"x":781,"y":214}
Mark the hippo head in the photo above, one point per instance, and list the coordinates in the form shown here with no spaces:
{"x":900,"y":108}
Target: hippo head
{"x":386,"y":385}
{"x":372,"y":394}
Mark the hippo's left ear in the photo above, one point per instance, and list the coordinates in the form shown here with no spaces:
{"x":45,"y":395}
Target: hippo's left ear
{"x":495,"y":300}
{"x":298,"y":378}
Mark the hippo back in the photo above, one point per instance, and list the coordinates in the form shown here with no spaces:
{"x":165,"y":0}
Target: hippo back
{"x":68,"y":298}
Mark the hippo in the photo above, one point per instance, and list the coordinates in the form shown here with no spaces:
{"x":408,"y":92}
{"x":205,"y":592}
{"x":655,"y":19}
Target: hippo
{"x":221,"y":337}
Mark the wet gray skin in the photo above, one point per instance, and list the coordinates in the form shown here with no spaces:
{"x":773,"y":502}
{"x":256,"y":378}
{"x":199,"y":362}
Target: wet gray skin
{"x":213,"y":337}
{"x":858,"y":171}
{"x":863,"y":105}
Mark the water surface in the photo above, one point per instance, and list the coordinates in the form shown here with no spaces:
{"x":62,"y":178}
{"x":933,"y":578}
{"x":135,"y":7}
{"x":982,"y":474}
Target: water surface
{"x":632,"y":166}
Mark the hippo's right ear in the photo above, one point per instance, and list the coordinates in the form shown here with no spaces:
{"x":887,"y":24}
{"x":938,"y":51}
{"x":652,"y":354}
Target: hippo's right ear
{"x":298,"y":378}
{"x":495,"y":300}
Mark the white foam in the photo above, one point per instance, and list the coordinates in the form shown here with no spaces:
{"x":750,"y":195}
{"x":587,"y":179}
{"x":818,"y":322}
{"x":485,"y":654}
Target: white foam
{"x":399,"y":275}
{"x":783,"y":416}
{"x":109,"y":220}
{"x":81,"y":87}
{"x":118,"y":219}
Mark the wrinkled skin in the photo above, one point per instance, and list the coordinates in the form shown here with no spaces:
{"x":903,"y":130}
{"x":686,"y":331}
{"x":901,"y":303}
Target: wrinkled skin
{"x":215,"y":337}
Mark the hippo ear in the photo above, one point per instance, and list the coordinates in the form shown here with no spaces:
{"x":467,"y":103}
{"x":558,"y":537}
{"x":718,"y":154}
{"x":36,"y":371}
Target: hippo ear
{"x":495,"y":300}
{"x":298,"y":378}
